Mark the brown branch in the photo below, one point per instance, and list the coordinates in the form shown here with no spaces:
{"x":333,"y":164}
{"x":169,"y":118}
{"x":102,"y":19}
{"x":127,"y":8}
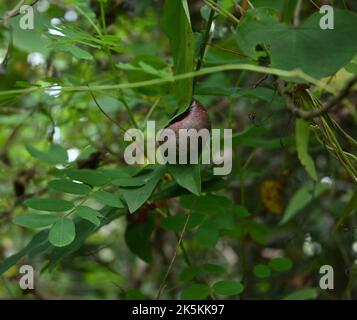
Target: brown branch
{"x":317,"y":112}
{"x":16,"y":10}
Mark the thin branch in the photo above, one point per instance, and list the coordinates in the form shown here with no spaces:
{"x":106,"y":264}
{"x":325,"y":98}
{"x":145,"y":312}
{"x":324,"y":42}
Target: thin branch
{"x":221,"y":11}
{"x":296,"y":73}
{"x":102,"y":110}
{"x":317,"y":112}
{"x":16,"y":10}
{"x":162,"y":285}
{"x":206,"y":39}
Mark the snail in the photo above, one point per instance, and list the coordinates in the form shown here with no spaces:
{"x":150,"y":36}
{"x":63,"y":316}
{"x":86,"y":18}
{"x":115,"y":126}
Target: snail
{"x":196,"y":118}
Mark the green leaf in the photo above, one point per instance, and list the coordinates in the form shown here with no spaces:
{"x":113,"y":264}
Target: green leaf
{"x":47,"y":204}
{"x":84,"y":229}
{"x":280,"y":264}
{"x":35,"y":221}
{"x":318,"y":52}
{"x":262,"y":271}
{"x":74,"y":50}
{"x":182,"y":46}
{"x":136,"y":197}
{"x":302,"y":198}
{"x":206,"y":204}
{"x":223,"y":220}
{"x":28,"y":40}
{"x":62,"y":233}
{"x":302,"y":141}
{"x":36,"y":242}
{"x":88,"y":214}
{"x":349,"y":209}
{"x":188,"y":274}
{"x":137,"y":238}
{"x":91,"y":177}
{"x":241,"y":211}
{"x":177,"y":222}
{"x":187,"y":176}
{"x":207,"y":234}
{"x":304,"y":294}
{"x":68,"y":186}
{"x":259,"y":232}
{"x":129,"y":182}
{"x":55,"y":154}
{"x":213,"y":268}
{"x":195,"y":292}
{"x":108,"y":199}
{"x":228,"y":288}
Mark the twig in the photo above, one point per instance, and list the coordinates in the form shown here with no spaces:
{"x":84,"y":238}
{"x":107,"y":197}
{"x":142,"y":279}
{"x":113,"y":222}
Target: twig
{"x":245,"y":5}
{"x":221,"y":11}
{"x":206,"y":38}
{"x":16,"y":10}
{"x":102,"y":110}
{"x":317,"y":112}
{"x":297,"y":13}
{"x":162,"y":285}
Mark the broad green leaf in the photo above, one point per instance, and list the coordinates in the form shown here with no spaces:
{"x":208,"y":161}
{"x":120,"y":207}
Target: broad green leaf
{"x":206,"y":204}
{"x":136,"y":197}
{"x":88,"y":214}
{"x":318,"y":52}
{"x":177,"y":222}
{"x":258,"y":232}
{"x":177,"y":26}
{"x":68,"y":186}
{"x":29,"y":40}
{"x":195,"y":292}
{"x":187,"y":176}
{"x":262,"y":271}
{"x":302,"y":198}
{"x":228,"y":288}
{"x":47,"y":204}
{"x":304,"y":294}
{"x":207,"y":234}
{"x":302,"y":141}
{"x":213,"y":268}
{"x":280,"y":264}
{"x":241,"y":211}
{"x":108,"y":199}
{"x":129,"y":182}
{"x":223,"y":220}
{"x":189,"y":273}
{"x":55,"y":154}
{"x":62,"y":233}
{"x":91,"y":177}
{"x":35,"y":221}
{"x":125,"y":172}
{"x":137,"y":238}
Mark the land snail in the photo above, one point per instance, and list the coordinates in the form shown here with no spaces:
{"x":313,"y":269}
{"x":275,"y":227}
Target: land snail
{"x":195,"y":117}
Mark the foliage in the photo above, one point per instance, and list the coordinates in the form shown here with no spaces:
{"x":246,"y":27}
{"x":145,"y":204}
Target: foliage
{"x":95,"y":227}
